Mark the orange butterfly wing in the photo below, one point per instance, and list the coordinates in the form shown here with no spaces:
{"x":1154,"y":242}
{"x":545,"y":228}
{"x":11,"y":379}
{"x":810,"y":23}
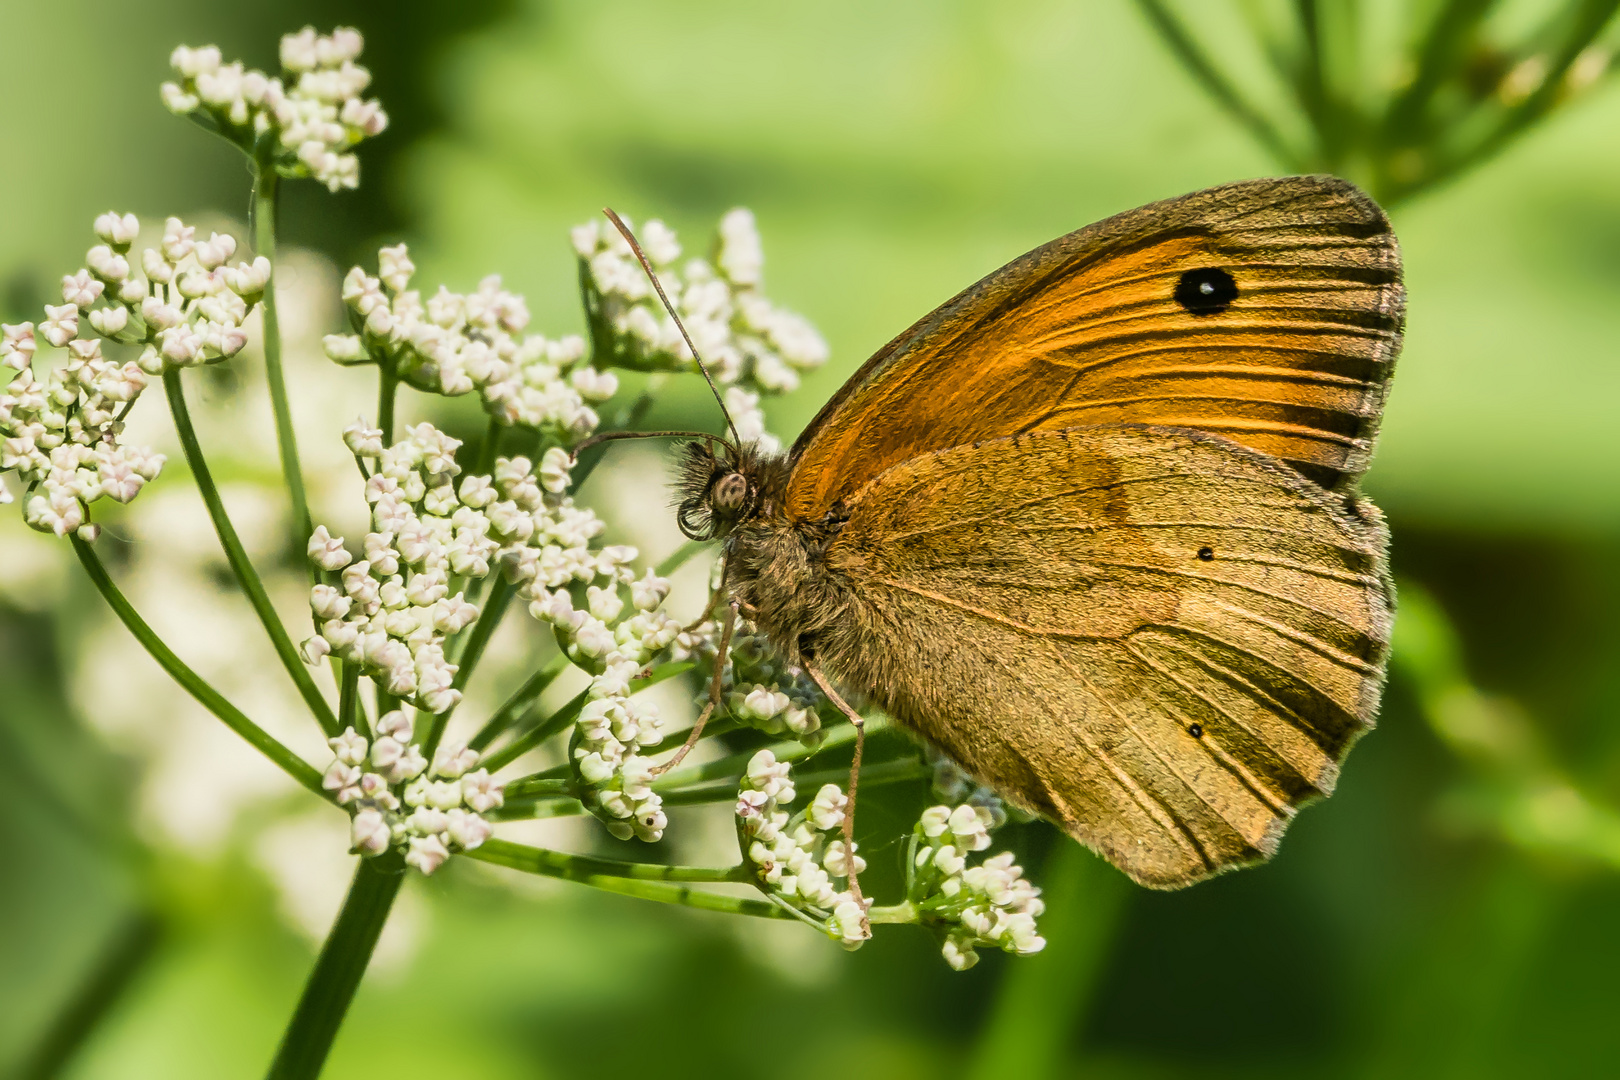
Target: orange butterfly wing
{"x":1268,"y":311}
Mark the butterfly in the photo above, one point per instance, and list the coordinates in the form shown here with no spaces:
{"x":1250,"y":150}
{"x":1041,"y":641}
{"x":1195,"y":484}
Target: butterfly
{"x":1092,"y":527}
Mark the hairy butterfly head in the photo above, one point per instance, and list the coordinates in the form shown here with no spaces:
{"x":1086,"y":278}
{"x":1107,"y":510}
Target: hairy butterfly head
{"x":718,"y":487}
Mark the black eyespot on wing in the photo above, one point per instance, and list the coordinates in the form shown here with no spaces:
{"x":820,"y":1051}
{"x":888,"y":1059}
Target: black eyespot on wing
{"x":1206,"y":554}
{"x":1196,"y":730}
{"x":1208,"y":290}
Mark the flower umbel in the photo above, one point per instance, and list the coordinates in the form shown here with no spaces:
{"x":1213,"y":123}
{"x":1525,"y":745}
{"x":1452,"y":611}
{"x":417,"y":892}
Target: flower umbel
{"x":307,"y":119}
{"x":397,"y":801}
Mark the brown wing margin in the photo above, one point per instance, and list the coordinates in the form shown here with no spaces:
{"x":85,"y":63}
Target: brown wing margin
{"x":1086,"y":330}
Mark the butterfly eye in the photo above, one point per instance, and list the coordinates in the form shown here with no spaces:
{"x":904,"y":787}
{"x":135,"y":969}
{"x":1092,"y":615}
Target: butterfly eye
{"x":729,"y":492}
{"x":1208,"y":290}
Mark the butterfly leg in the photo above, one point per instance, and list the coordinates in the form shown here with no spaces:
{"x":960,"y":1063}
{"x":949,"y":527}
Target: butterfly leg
{"x":859,"y":723}
{"x":720,"y":658}
{"x":714,"y":598}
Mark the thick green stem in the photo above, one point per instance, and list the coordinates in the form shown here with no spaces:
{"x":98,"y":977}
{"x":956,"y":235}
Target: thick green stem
{"x":343,"y":960}
{"x":488,"y":450}
{"x":194,"y":684}
{"x":241,"y":566}
{"x":127,"y":955}
{"x":646,"y":880}
{"x":266,"y":187}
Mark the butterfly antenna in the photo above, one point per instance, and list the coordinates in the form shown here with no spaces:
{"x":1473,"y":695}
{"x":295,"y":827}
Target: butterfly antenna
{"x":630,"y":238}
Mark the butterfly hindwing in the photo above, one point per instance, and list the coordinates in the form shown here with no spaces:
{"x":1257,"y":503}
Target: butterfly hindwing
{"x":1160,"y":639}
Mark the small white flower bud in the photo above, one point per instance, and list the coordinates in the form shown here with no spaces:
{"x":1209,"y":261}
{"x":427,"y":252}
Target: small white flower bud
{"x":109,"y":321}
{"x":369,"y":832}
{"x":394,"y":266}
{"x":326,"y":550}
{"x":452,"y":760}
{"x":116,"y":230}
{"x":554,"y":469}
{"x":345,"y":349}
{"x":605,"y":604}
{"x":427,"y":853}
{"x":177,"y":100}
{"x":467,"y":831}
{"x":363,"y":440}
{"x":350,"y":747}
{"x":481,"y":791}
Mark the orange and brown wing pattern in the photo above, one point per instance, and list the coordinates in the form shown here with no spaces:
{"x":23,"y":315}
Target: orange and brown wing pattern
{"x":1267,"y":311}
{"x":1161,"y":640}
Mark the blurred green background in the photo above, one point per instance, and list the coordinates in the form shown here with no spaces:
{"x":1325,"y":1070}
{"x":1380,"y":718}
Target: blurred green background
{"x":1450,"y":912}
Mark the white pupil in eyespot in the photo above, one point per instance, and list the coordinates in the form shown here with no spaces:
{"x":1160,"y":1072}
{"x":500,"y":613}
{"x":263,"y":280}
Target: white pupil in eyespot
{"x":1206,"y":287}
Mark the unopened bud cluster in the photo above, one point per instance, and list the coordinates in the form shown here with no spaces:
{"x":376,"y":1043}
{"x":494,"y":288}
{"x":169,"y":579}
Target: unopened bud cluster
{"x":453,"y":344}
{"x":795,"y":857}
{"x":184,"y":304}
{"x":991,"y":904}
{"x":621,"y":630}
{"x":749,"y":345}
{"x":310,"y":117}
{"x":761,"y":692}
{"x":397,"y":799}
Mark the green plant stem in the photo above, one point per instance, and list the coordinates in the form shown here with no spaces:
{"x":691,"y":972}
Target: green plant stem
{"x":1591,"y":16}
{"x":678,"y":558}
{"x":126,"y":956}
{"x":194,"y":684}
{"x":241,"y":565}
{"x":725,"y":789}
{"x":1043,"y":999}
{"x":504,"y":716}
{"x":487,"y":450}
{"x":266,"y":189}
{"x":545,"y":729}
{"x":566,"y":715}
{"x":1204,"y":71}
{"x":350,"y":715}
{"x":784,"y":751}
{"x":645,"y":880}
{"x":387,"y":392}
{"x":535,"y":787}
{"x":338,"y":970}
{"x":467,"y":651}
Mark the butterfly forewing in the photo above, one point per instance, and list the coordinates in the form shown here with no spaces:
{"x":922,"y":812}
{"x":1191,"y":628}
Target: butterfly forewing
{"x":1160,"y":639}
{"x":1267,"y":311}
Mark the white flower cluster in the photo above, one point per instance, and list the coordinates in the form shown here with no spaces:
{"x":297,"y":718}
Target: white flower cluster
{"x":314,"y":112}
{"x":186,"y":306}
{"x":190,"y":308}
{"x":989,"y":904}
{"x":61,"y":435}
{"x":393,"y":610}
{"x":762,"y":693}
{"x":395,"y":799}
{"x":454,"y":344}
{"x":749,"y":345}
{"x":794,"y":858}
{"x":615,"y":641}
